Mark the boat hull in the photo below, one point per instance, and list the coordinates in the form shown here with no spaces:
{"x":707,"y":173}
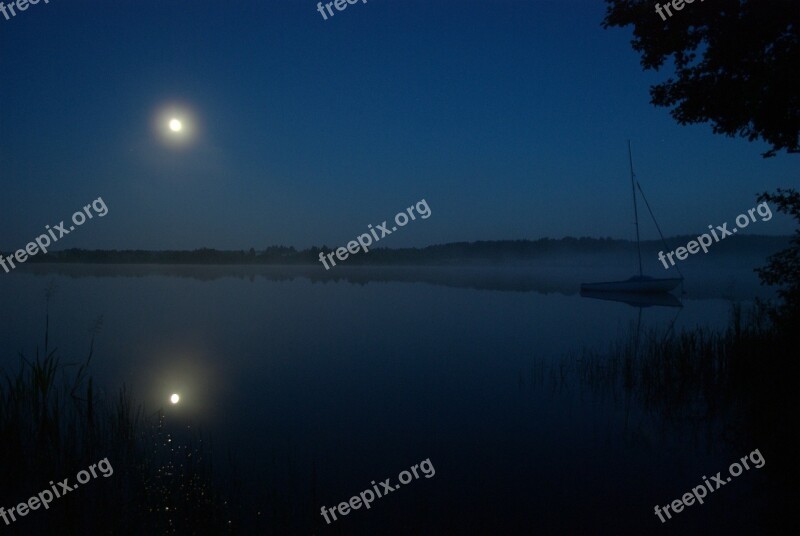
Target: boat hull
{"x":635,"y":285}
{"x":636,"y":299}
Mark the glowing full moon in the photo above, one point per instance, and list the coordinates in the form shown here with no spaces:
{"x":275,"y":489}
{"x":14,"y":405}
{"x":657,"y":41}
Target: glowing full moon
{"x":175,"y":125}
{"x":174,"y":399}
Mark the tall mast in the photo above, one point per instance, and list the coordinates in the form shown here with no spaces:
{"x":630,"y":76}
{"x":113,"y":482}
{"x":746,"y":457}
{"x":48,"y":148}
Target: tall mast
{"x":635,"y":210}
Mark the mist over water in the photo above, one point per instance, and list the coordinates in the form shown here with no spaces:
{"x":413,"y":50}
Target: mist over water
{"x":321,"y":382}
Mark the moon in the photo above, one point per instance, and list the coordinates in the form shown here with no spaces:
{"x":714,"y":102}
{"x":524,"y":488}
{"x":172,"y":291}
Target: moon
{"x":175,"y":125}
{"x":175,"y":399}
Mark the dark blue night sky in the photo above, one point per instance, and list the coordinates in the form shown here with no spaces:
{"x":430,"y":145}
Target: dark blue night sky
{"x":509,"y":117}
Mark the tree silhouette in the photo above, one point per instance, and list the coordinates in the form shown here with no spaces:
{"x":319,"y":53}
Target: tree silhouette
{"x":783,"y":269}
{"x":735,"y":64}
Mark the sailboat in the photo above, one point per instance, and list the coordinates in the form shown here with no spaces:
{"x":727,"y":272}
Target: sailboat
{"x":638,"y":284}
{"x":635,"y":299}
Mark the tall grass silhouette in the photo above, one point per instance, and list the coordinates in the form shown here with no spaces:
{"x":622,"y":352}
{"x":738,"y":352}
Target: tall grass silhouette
{"x":735,"y":388}
{"x":54,"y":422}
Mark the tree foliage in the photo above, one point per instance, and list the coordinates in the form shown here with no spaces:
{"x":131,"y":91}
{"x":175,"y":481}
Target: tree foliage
{"x":735,"y":64}
{"x":783,"y":269}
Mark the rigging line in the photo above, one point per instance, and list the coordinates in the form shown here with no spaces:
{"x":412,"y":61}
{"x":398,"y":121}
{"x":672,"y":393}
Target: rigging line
{"x":635,"y":209}
{"x":672,"y":324}
{"x":656,"y":222}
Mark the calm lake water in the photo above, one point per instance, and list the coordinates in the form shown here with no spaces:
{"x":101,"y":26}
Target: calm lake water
{"x":316,"y":384}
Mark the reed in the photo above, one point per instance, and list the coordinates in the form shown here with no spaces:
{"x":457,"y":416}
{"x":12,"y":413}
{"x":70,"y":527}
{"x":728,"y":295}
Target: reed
{"x":736,"y":386}
{"x":53,"y":424}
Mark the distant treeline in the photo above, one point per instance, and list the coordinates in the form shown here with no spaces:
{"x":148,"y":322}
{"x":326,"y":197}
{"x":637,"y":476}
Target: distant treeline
{"x":496,"y":251}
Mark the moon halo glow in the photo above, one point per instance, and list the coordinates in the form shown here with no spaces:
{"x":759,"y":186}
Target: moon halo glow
{"x":175,"y":125}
